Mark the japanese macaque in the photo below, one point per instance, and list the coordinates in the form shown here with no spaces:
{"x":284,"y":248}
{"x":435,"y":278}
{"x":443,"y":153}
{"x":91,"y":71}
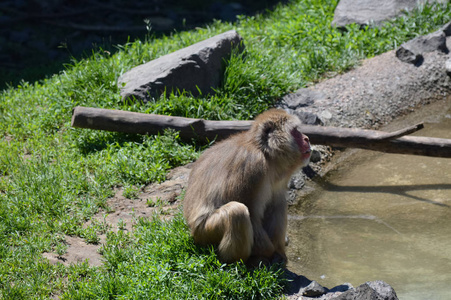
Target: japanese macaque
{"x":236,"y":194}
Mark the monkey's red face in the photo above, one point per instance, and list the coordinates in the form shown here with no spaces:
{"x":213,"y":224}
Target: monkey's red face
{"x":303,"y":143}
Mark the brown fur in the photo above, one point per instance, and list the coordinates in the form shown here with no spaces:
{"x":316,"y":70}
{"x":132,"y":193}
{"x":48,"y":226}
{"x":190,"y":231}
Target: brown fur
{"x":235,"y":198}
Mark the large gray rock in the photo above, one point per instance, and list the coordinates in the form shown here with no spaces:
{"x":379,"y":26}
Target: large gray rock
{"x":374,"y":290}
{"x":364,"y":12}
{"x":413,"y":50}
{"x":197,"y":67}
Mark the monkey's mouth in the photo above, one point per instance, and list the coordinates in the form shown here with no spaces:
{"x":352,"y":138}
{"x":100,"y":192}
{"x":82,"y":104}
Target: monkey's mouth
{"x":307,"y":152}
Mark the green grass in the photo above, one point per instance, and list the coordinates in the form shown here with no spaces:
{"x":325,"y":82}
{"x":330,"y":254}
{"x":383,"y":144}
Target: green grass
{"x":160,"y":261}
{"x":53,"y":178}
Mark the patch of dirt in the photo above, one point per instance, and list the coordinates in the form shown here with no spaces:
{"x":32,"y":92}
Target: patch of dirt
{"x":123,"y":213}
{"x":78,"y":252}
{"x":163,"y":195}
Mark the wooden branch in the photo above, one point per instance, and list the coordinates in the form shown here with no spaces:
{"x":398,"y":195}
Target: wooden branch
{"x":401,"y":132}
{"x":131,"y":122}
{"x":371,"y":140}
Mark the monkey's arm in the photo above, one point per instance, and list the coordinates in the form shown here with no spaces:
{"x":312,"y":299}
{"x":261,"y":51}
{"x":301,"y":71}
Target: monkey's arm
{"x":275,"y":223}
{"x":263,"y":248}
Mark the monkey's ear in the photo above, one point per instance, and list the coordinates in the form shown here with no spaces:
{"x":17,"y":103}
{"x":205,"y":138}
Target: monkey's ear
{"x":266,"y":130}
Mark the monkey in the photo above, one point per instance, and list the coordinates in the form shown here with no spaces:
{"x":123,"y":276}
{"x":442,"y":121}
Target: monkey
{"x":236,"y":194}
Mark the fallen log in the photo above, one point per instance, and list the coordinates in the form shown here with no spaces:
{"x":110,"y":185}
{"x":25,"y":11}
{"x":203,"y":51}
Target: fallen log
{"x":150,"y":124}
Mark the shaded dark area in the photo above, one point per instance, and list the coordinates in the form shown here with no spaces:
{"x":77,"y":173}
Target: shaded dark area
{"x":38,"y":37}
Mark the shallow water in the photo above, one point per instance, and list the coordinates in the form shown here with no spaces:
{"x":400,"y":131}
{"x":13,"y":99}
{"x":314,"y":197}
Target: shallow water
{"x":381,"y":216}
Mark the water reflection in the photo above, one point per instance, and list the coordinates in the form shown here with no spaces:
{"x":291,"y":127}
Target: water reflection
{"x":380,"y":216}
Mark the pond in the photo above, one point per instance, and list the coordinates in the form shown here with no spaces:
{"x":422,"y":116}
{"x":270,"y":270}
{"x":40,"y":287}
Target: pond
{"x":380,"y":216}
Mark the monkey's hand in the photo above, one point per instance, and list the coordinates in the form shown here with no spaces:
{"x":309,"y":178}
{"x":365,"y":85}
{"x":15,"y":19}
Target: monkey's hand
{"x":263,"y":249}
{"x":279,"y":259}
{"x":255,"y":261}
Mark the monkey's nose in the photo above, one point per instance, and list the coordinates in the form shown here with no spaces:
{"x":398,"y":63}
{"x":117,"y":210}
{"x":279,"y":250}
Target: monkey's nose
{"x":306,"y":139}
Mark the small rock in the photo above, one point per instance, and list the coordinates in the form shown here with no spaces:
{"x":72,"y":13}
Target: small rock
{"x":315,"y":156}
{"x":364,"y":12}
{"x":448,"y":67}
{"x":325,"y":115}
{"x":308,"y":118}
{"x":314,"y":289}
{"x":297,"y":182}
{"x":301,"y":98}
{"x":292,"y":196}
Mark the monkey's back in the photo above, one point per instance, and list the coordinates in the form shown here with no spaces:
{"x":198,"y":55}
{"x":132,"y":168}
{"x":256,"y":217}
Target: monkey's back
{"x":231,"y":170}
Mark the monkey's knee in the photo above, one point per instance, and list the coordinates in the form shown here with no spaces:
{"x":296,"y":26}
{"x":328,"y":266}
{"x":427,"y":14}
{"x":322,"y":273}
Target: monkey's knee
{"x":230,"y":229}
{"x":237,"y":240}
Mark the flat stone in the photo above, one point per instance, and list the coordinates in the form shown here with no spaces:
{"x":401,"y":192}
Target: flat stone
{"x":413,"y":50}
{"x":307,"y":118}
{"x":448,"y":67}
{"x":301,"y":98}
{"x":314,"y":289}
{"x":374,"y":290}
{"x":197,"y":68}
{"x":365,"y":12}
